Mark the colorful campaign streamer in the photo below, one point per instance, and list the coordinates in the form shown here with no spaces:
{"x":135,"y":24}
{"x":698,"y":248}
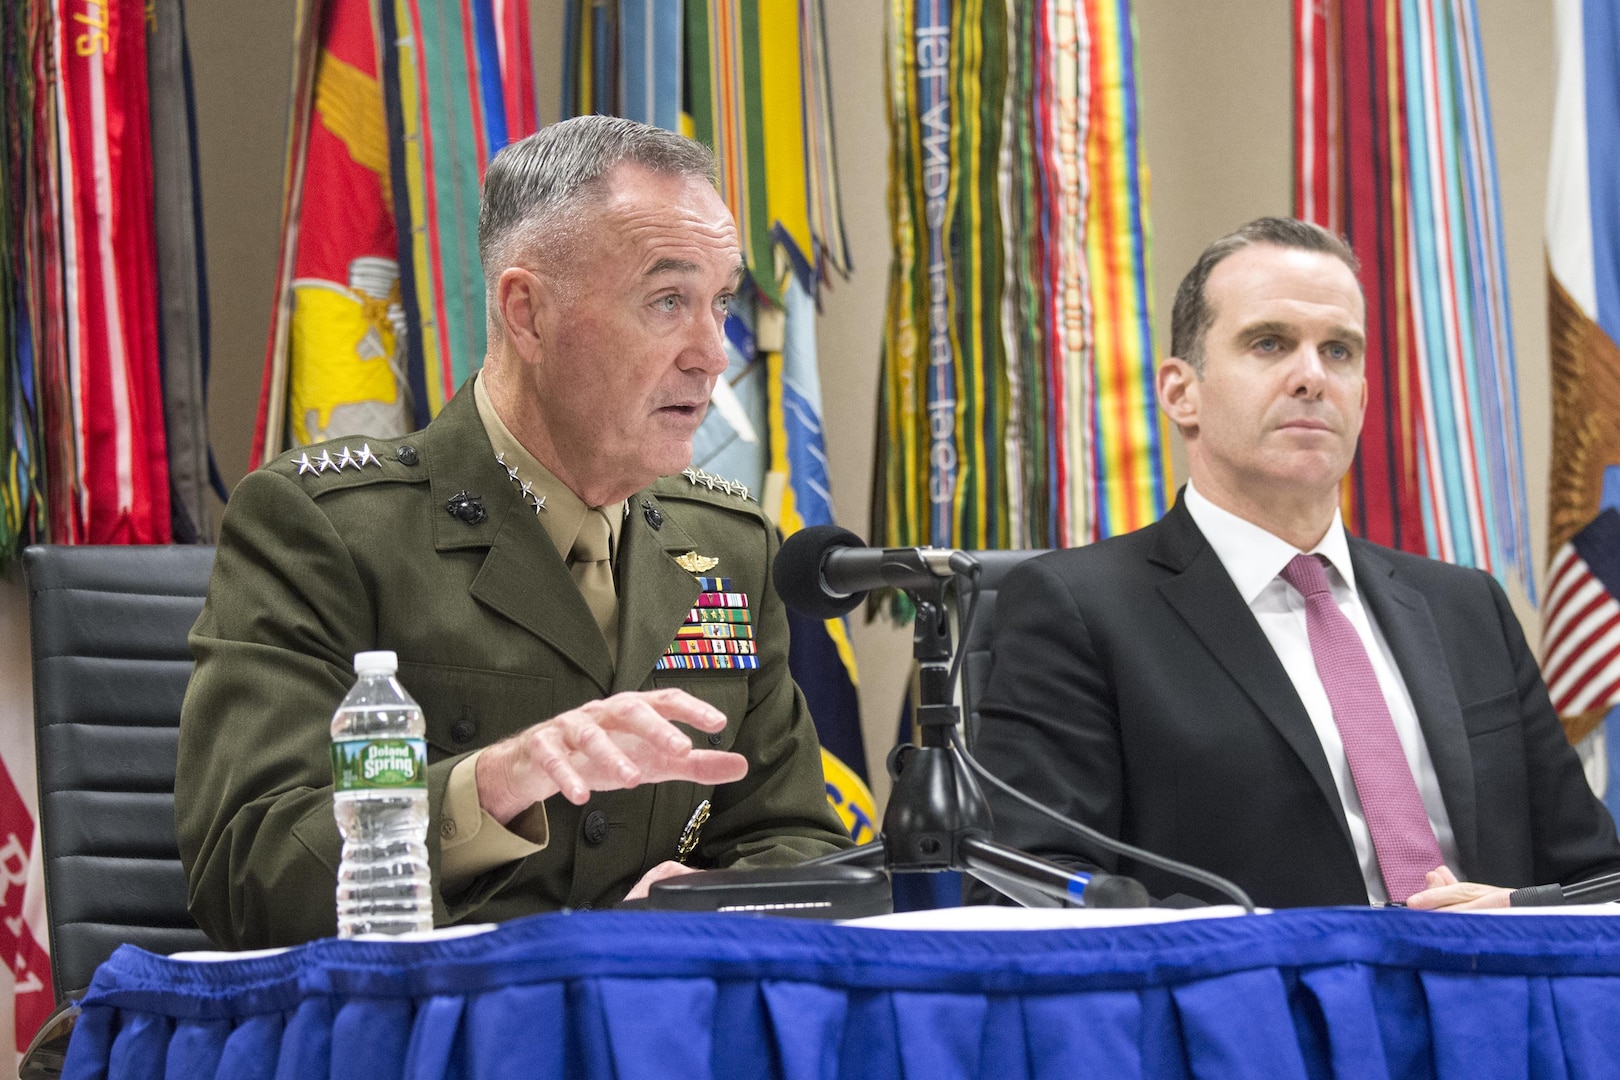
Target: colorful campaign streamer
{"x":1393,"y":148}
{"x":1016,"y":406}
{"x":103,"y":430}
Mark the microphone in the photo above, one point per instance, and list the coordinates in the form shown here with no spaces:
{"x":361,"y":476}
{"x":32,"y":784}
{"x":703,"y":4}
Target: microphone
{"x":1598,"y":890}
{"x":1037,"y":883}
{"x":825,"y":571}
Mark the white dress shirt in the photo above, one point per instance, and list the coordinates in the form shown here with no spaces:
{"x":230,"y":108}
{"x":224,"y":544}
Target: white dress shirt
{"x":1254,"y":558}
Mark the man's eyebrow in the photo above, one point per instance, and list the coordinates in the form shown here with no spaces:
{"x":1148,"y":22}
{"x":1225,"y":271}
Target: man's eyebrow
{"x":1351,"y":336}
{"x":672,"y":266}
{"x":687,"y":266}
{"x":1266,"y":329}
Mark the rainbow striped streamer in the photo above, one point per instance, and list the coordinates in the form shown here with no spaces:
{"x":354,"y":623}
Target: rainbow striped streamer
{"x":1016,"y":402}
{"x":1393,"y":145}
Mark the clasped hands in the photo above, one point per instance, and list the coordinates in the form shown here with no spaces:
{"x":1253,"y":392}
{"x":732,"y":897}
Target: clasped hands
{"x":606,"y":745}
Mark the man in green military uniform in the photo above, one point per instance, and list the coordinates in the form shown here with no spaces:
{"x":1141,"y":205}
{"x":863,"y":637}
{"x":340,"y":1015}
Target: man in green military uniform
{"x":598,"y":651}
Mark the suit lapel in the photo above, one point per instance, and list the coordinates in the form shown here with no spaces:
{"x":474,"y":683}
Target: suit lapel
{"x":1203,"y":594}
{"x":654,"y":592}
{"x":1408,"y":626}
{"x":523,"y":577}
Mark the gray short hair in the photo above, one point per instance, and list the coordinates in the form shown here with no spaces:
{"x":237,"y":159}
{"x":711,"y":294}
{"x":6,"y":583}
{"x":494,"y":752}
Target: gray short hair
{"x":533,"y":187}
{"x":1192,"y":315}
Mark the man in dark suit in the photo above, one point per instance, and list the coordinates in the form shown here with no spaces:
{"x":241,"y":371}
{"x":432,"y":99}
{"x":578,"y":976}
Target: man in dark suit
{"x":1244,"y":687}
{"x":541,"y":585}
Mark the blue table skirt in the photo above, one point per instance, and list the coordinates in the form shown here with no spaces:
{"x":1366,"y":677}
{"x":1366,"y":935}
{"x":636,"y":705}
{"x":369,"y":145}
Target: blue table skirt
{"x":1311,"y":993}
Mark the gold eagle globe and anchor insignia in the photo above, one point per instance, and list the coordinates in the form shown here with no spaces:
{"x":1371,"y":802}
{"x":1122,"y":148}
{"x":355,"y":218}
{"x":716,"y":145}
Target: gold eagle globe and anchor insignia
{"x":689,"y":835}
{"x":693,"y":563}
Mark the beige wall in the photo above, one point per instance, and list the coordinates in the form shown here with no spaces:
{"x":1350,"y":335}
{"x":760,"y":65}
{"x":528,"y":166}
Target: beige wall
{"x":1215,"y":82}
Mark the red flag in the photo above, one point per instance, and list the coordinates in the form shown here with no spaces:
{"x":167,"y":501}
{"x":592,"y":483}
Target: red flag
{"x":110,"y":256}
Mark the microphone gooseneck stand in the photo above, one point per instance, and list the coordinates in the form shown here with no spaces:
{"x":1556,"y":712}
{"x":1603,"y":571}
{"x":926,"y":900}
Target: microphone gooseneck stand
{"x":938,"y":819}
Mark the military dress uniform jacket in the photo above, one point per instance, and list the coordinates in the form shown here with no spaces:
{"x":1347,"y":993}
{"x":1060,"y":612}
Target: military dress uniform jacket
{"x":493,"y":636}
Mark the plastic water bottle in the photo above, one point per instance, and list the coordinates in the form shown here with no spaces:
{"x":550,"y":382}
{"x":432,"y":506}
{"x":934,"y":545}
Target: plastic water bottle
{"x":379,"y":773}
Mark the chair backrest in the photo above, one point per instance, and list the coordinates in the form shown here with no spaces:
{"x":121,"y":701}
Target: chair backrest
{"x":993,"y":567}
{"x":110,"y":664}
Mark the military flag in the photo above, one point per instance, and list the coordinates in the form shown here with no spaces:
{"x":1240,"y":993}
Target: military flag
{"x":397,"y":107}
{"x":109,"y":292}
{"x":335,"y":363}
{"x":1581,"y":623}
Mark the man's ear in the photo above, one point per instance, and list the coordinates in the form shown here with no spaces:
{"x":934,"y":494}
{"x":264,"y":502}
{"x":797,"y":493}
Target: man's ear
{"x":1178,"y":385}
{"x":524,"y":303}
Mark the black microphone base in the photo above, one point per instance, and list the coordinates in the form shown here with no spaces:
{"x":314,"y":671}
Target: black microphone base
{"x":797,"y":892}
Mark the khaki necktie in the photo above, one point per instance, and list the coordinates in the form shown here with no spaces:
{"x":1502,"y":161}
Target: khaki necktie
{"x":590,"y":561}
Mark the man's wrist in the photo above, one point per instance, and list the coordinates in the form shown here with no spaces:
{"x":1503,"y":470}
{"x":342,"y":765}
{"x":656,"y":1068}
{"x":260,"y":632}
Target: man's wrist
{"x":497,"y":795}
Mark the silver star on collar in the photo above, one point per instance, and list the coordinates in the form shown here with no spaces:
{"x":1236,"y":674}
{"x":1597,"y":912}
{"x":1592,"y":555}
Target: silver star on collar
{"x":525,"y":487}
{"x":366,"y":457}
{"x":304,"y":464}
{"x":325,"y":462}
{"x":345,"y":459}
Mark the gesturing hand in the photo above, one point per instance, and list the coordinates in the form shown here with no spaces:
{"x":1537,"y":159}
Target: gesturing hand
{"x":617,"y":742}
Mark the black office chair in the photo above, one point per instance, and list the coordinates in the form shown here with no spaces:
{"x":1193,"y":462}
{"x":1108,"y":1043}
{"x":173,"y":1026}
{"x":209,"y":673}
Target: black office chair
{"x":994,"y":566}
{"x":110,"y":664}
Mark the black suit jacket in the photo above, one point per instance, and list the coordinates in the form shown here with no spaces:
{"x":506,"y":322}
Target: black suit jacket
{"x":1132,"y":689}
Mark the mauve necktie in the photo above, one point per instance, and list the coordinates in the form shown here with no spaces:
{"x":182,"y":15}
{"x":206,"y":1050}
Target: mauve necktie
{"x":1401,"y":835}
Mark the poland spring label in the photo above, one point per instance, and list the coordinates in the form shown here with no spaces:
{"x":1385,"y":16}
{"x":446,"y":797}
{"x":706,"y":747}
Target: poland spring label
{"x":369,"y":764}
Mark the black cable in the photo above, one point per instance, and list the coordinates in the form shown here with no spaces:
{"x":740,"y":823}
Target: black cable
{"x":1107,"y":843}
{"x":964,"y":622}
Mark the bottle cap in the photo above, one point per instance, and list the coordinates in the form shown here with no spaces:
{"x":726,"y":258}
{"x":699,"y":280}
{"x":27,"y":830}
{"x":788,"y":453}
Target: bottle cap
{"x":380,"y":662}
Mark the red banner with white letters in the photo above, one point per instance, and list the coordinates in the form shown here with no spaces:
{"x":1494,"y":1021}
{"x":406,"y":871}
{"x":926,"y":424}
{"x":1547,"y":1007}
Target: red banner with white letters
{"x":32,"y":999}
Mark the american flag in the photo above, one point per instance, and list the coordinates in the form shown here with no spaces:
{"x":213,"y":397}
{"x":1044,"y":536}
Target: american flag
{"x":1581,"y":636}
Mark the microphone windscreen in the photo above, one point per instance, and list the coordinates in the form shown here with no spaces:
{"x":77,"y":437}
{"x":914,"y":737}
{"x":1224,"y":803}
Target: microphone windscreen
{"x":797,"y":573}
{"x":1114,"y":891}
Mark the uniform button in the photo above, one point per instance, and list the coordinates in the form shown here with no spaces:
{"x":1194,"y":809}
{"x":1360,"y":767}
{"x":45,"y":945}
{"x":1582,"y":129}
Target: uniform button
{"x":596,"y":827}
{"x":447,"y":829}
{"x":406,"y":455}
{"x":463,"y":730}
{"x":716,"y":738}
